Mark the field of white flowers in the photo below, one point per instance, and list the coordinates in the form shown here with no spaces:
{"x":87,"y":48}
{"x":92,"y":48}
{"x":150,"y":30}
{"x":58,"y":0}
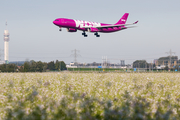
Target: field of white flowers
{"x":66,"y":95}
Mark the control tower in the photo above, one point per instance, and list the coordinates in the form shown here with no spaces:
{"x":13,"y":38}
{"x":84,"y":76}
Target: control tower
{"x":6,"y":45}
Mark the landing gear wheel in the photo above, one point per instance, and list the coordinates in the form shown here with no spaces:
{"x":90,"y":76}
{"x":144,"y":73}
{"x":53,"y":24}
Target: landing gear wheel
{"x":85,"y":35}
{"x":96,"y":34}
{"x":60,"y":29}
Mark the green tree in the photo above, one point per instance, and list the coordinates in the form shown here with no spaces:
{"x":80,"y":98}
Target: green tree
{"x":11,"y":68}
{"x":140,"y":64}
{"x":57,"y":65}
{"x":63,"y":65}
{"x":33,"y":66}
{"x":51,"y":65}
{"x":26,"y":67}
{"x":3,"y":68}
{"x":21,"y":68}
{"x":39,"y":67}
{"x":8,"y":68}
{"x":44,"y":67}
{"x":60,"y":65}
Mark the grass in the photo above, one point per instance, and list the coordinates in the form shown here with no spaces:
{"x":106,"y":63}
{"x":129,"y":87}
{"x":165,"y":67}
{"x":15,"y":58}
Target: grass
{"x":66,"y":95}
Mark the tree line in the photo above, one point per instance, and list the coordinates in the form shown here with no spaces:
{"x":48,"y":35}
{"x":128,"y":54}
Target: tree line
{"x":33,"y":66}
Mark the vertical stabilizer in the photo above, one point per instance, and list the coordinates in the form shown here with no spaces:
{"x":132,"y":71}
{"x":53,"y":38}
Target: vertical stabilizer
{"x":123,"y":19}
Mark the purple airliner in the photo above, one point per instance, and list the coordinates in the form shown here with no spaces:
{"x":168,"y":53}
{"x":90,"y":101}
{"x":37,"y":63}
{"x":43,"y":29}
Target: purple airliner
{"x":74,"y":25}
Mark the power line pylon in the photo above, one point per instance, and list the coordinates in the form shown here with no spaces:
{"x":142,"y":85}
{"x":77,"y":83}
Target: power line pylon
{"x":104,"y":61}
{"x":170,"y":55}
{"x":75,"y":55}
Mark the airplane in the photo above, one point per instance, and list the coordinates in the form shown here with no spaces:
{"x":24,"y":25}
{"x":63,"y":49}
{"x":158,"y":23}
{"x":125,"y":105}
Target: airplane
{"x":73,"y":25}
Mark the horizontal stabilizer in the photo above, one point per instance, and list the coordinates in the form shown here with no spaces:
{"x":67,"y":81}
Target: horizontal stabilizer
{"x":136,"y":22}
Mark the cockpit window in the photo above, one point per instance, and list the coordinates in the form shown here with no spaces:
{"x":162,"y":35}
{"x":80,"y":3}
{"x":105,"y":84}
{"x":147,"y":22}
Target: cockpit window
{"x":56,"y":20}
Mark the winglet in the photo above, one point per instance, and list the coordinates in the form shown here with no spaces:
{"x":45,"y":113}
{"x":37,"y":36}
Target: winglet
{"x":136,"y":22}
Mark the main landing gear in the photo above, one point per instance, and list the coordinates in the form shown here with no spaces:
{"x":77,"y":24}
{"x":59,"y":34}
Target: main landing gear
{"x":60,"y":29}
{"x":85,"y":35}
{"x":96,"y":34}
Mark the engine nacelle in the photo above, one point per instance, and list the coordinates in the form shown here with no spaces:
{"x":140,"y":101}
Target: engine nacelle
{"x":93,"y":29}
{"x":71,"y":30}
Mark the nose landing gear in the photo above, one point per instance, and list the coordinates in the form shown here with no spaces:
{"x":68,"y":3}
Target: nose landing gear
{"x":60,"y":29}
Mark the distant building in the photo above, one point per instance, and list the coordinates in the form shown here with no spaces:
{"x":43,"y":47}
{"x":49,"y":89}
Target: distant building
{"x":71,"y":65}
{"x":167,"y":61}
{"x":122,"y":62}
{"x":155,"y":61}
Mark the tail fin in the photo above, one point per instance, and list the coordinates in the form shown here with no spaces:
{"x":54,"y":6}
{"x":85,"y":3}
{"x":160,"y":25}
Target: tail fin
{"x":123,"y":19}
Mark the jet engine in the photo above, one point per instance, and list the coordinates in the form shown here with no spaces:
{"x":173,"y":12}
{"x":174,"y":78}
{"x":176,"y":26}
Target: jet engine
{"x":93,"y":29}
{"x":71,"y":30}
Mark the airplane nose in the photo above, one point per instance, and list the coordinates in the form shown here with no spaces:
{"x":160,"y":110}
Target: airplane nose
{"x":54,"y":22}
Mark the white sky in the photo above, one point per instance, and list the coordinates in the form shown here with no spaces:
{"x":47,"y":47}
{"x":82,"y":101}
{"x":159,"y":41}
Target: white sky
{"x":33,"y":36}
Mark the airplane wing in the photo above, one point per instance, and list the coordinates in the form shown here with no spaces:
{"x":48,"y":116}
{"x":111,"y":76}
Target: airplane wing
{"x":109,"y":26}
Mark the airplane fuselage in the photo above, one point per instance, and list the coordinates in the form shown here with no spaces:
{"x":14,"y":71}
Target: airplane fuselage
{"x":73,"y":25}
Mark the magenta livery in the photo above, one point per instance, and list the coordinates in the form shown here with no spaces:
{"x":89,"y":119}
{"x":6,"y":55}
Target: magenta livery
{"x":74,"y":25}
